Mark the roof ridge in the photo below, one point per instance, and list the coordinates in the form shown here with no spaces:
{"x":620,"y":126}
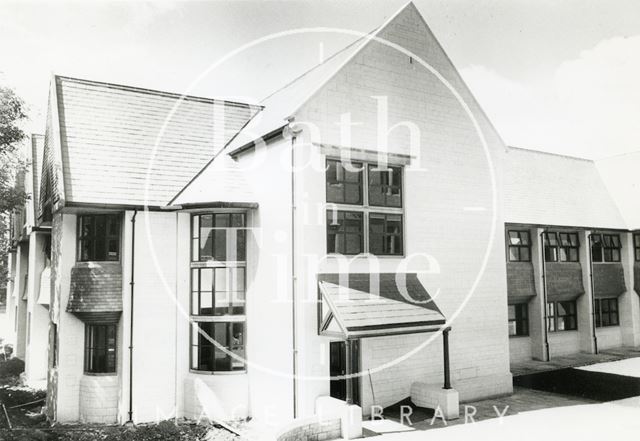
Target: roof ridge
{"x":155,"y":91}
{"x":315,"y":66}
{"x":578,"y":158}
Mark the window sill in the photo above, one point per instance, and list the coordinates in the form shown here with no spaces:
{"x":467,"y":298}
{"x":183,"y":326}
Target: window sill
{"x":215,"y":373}
{"x":563,"y":330}
{"x":607,"y":326}
{"x":366,"y":256}
{"x":519,"y":336}
{"x":100,"y":374}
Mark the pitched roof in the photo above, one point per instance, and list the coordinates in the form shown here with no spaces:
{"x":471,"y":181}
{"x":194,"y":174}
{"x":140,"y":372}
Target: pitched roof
{"x":221,"y":183}
{"x":548,"y":189}
{"x":37,"y":152}
{"x":283,"y":103}
{"x":619,"y":174}
{"x":280,"y":105}
{"x":108,"y":135}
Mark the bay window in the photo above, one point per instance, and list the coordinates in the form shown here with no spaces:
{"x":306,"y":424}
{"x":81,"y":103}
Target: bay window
{"x":99,"y":349}
{"x":519,"y":246}
{"x":98,"y":237}
{"x":605,"y":248}
{"x":569,"y":246}
{"x":218,"y":285}
{"x":550,"y":247}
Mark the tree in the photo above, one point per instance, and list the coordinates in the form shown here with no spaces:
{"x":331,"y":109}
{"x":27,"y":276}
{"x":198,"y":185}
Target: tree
{"x":12,"y":114}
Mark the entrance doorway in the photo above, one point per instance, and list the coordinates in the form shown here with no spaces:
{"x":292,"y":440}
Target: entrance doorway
{"x":338,"y":366}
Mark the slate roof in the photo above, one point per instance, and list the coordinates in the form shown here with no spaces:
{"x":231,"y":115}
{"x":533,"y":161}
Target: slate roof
{"x":108,"y":135}
{"x":37,"y":152}
{"x":548,"y":189}
{"x":367,"y":305}
{"x":620,"y":176}
{"x":96,"y":288}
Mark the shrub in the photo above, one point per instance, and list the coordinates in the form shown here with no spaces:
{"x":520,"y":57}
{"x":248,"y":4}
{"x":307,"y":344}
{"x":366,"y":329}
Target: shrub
{"x":11,"y":368}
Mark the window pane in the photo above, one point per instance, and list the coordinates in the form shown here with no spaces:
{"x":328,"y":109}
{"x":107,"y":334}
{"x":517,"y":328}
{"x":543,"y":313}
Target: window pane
{"x":514,"y":238}
{"x":206,"y":237}
{"x":220,"y":245}
{"x":237,"y":346}
{"x":512,"y":312}
{"x":195,"y":225}
{"x":524,"y":254}
{"x":344,"y":182}
{"x":222,"y":359}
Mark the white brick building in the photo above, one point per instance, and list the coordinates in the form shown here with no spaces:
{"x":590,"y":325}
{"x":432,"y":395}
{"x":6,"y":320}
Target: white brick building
{"x":172,"y":218}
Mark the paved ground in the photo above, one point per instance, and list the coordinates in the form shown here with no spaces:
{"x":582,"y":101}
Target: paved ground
{"x":533,"y":366}
{"x":522,"y":400}
{"x":526,"y":399}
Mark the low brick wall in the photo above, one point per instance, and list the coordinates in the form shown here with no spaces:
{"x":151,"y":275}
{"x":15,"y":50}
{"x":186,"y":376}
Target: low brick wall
{"x":99,"y":399}
{"x":313,"y":431}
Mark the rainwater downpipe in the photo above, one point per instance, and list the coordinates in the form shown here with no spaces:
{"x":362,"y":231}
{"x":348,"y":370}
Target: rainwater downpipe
{"x":294,"y":131}
{"x":544,"y":297}
{"x":593,"y":296}
{"x":131,"y":285}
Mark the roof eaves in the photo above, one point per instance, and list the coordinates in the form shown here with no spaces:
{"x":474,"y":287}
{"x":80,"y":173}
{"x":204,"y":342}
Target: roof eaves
{"x":158,"y":92}
{"x":57,"y":143}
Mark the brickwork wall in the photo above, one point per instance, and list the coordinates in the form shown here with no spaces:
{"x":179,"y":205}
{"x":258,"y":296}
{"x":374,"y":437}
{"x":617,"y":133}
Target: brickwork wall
{"x":520,"y":280}
{"x":564,"y":279}
{"x":608,"y":279}
{"x":99,"y":399}
{"x":317,"y":431}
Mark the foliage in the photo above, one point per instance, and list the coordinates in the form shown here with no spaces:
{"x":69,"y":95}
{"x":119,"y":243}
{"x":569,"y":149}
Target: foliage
{"x":11,"y":368}
{"x":12,"y":115}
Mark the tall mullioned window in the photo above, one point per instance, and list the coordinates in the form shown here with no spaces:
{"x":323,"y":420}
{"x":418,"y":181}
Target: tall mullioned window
{"x":218,"y":286}
{"x":364,"y":218}
{"x":636,"y":246}
{"x":98,"y":237}
{"x":519,"y":246}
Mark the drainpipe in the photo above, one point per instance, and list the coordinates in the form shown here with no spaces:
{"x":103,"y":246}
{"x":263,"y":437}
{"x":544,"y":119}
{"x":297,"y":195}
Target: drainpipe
{"x":544,"y":295}
{"x":593,"y":297}
{"x":294,"y":315}
{"x":131,"y":284}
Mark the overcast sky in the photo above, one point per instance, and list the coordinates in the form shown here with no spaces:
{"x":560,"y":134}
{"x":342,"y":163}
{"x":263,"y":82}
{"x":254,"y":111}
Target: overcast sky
{"x":557,"y":75}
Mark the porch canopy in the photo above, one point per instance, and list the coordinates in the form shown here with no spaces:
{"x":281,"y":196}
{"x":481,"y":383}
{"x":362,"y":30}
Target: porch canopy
{"x":352,"y":306}
{"x":360,"y":305}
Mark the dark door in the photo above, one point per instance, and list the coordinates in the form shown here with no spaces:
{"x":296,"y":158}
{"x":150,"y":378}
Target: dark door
{"x":338,"y":366}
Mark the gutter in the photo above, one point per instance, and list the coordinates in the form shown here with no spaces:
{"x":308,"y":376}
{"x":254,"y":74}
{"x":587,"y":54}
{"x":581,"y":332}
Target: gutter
{"x":593,"y":296}
{"x":131,"y":284}
{"x":544,"y":296}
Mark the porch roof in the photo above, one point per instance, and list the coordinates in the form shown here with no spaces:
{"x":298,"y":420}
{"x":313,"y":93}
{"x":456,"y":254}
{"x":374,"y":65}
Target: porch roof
{"x":371,"y":305}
